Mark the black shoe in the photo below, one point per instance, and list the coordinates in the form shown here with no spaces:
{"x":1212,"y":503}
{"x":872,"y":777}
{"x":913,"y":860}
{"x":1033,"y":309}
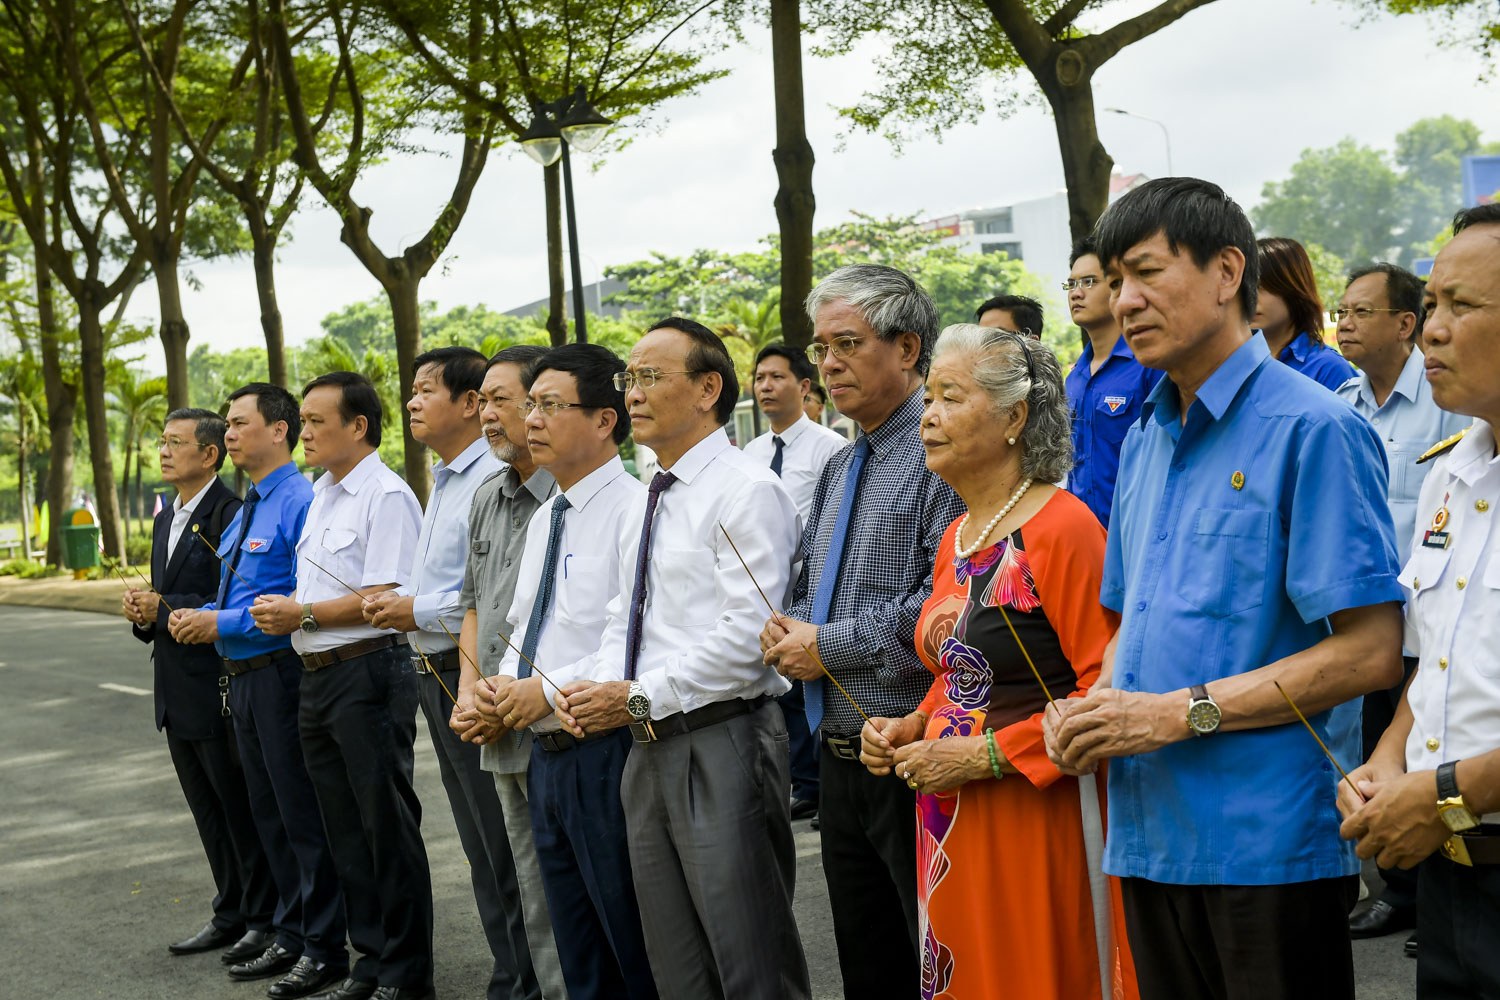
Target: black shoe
{"x":307,"y":977}
{"x":272,"y":962}
{"x":252,"y":945}
{"x":210,"y":938}
{"x":1409,"y":949}
{"x":404,"y":993}
{"x":804,"y":809}
{"x":349,"y":989}
{"x":1381,"y":919}
{"x":815,"y":825}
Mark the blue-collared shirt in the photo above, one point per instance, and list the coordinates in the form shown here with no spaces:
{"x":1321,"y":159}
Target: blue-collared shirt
{"x":1408,"y":424}
{"x":1235,"y":536}
{"x":268,"y":560}
{"x":1103,"y":405}
{"x":1317,"y":361}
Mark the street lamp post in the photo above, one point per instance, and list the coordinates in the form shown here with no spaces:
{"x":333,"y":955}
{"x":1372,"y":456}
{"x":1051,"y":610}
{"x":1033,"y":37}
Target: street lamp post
{"x":556,"y":125}
{"x":1166,"y":136}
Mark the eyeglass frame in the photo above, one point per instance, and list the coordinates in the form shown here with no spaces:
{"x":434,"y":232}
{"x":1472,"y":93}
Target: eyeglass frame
{"x":1356,"y":310}
{"x":816,"y":352}
{"x":549,"y":407}
{"x":1088,"y":281}
{"x":627,"y":380}
{"x":164,"y":442}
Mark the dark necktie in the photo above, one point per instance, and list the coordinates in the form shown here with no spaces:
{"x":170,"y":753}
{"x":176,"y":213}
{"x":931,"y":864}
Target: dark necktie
{"x":659,"y":482}
{"x":823,"y":598}
{"x":776,"y":458}
{"x":246,"y":512}
{"x":544,"y":592}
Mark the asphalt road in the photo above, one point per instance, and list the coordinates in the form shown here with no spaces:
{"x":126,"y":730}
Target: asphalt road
{"x":100,"y":866}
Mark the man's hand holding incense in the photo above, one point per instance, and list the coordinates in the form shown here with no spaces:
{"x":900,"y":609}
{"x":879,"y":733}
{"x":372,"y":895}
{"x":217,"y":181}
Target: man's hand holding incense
{"x":485,"y":726}
{"x":191,"y":626}
{"x":782,"y":641}
{"x":1367,"y":778}
{"x":276,"y":614}
{"x":524,"y":703}
{"x":146,"y":605}
{"x":128,"y":608}
{"x":466,"y":722}
{"x":1113,"y":723}
{"x":881,"y":738}
{"x":1399,"y":826}
{"x":388,"y":609}
{"x":586,"y":707}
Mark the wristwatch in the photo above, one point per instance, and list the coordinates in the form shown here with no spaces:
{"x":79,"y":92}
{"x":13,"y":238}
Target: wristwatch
{"x":1203,"y":715}
{"x":637,"y":704}
{"x":1451,"y":806}
{"x":309,"y":623}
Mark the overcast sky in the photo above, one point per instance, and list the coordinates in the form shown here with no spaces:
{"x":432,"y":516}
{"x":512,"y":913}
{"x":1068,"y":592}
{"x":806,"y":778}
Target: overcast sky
{"x":1243,"y":86}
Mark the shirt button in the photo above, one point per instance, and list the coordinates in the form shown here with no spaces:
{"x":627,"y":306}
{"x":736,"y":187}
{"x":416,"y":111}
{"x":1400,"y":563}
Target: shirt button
{"x":1481,"y":505}
{"x":1180,"y":466}
{"x":1161,"y":536}
{"x":1141,"y":606}
{"x":1432,"y":743}
{"x":1376,"y":421}
{"x":1416,"y":583}
{"x":507,"y":563}
{"x":1463,"y":582}
{"x":1442,"y":663}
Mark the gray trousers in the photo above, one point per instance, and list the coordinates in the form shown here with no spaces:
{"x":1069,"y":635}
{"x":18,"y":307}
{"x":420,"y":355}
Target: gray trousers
{"x":709,"y":821}
{"x":544,"y":961}
{"x":481,"y":831}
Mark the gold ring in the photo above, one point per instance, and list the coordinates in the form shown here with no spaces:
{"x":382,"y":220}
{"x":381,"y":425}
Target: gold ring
{"x":911,"y":784}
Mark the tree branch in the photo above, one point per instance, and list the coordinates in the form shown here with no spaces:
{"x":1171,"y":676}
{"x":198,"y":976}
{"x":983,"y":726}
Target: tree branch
{"x":1108,"y":43}
{"x":1064,"y":16}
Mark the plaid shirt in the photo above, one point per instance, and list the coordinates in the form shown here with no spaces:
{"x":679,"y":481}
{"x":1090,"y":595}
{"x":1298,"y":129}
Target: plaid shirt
{"x":900,"y":514}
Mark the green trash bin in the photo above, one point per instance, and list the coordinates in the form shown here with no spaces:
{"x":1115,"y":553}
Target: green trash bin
{"x":80,"y":542}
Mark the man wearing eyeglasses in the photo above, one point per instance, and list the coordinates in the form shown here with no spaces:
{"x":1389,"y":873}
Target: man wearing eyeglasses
{"x":1105,"y":388}
{"x":1379,"y":322}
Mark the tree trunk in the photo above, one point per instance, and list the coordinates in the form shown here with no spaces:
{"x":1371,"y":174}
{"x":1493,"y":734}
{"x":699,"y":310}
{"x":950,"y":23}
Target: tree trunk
{"x":793,"y":155}
{"x":174,"y":328}
{"x":263,"y":252}
{"x":127,"y":509}
{"x":1068,"y":86}
{"x":62,"y":402}
{"x":557,"y":316}
{"x":23,"y":469}
{"x":405,"y":311}
{"x":140,"y":499}
{"x":96,"y":418}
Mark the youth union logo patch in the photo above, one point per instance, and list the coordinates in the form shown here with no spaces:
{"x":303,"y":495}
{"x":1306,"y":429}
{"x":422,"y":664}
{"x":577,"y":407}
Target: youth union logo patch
{"x":256,"y":544}
{"x":1115,"y":402}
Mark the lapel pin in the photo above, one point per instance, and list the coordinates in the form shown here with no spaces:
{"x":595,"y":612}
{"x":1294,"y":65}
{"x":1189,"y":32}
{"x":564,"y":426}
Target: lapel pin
{"x":1237,"y":480}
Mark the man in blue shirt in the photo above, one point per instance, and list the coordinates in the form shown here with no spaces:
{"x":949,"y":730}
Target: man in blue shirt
{"x":265,"y":676}
{"x":1230,"y":574}
{"x":1105,"y":388}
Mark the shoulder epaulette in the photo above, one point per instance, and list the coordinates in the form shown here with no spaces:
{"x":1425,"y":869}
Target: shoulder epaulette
{"x":1442,"y":447}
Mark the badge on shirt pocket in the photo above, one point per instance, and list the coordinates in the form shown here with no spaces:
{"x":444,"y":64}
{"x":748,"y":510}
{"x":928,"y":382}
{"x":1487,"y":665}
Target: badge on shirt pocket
{"x":1115,"y":403}
{"x":257,"y":544}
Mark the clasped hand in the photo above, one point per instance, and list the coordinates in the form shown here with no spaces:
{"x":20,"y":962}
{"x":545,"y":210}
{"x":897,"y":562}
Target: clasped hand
{"x":785,"y":643}
{"x":1397,"y":824}
{"x":1079,"y":733}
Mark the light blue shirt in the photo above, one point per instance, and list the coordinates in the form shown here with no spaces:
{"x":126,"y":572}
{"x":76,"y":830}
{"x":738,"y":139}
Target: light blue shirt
{"x":1234,"y":536}
{"x":437,"y":572}
{"x":1408,"y":424}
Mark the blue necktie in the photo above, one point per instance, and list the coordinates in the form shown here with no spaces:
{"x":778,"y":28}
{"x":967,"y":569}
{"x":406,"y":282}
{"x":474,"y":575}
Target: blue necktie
{"x":823,"y":599}
{"x":544,"y":592}
{"x":251,"y":499}
{"x":776,"y":458}
{"x":659,"y":482}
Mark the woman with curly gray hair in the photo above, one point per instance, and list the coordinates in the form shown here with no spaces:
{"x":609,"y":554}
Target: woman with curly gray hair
{"x":1008,"y":874}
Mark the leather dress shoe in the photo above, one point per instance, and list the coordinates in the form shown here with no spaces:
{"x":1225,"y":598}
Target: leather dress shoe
{"x":307,"y":977}
{"x":404,"y":993}
{"x":1381,"y":919}
{"x":272,"y":962}
{"x":1409,"y":949}
{"x":804,"y":809}
{"x":349,"y":989}
{"x":252,"y":945}
{"x":210,"y":938}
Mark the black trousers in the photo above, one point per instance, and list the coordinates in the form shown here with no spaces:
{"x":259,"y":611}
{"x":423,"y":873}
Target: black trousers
{"x":359,"y":722}
{"x":481,"y":831}
{"x":869,"y":837}
{"x":1458,"y":914}
{"x":1378,"y":711}
{"x":1241,"y":942}
{"x":214,"y":786}
{"x":309,"y":917}
{"x":803,"y":742}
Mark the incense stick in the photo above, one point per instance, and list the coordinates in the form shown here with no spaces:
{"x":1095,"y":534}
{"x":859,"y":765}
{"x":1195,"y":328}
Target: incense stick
{"x":205,"y":541}
{"x":1326,"y":752}
{"x":1034,"y":671}
{"x":776,"y":616}
{"x":428,"y":663}
{"x":528,"y":660}
{"x":316,"y":565}
{"x":121,"y":573}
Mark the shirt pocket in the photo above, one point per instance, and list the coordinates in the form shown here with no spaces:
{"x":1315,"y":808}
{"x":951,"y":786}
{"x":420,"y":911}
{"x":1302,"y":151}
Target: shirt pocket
{"x":1405,"y":474}
{"x":1226,"y":561}
{"x":584,"y":586}
{"x":685,"y":587}
{"x":341,"y":553}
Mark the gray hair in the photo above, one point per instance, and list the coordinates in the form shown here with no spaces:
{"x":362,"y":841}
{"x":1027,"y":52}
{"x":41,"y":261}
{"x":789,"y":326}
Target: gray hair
{"x":889,"y":300}
{"x":1003,"y":366}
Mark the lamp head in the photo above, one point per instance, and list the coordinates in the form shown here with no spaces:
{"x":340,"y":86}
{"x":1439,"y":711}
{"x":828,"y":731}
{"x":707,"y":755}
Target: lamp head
{"x":583,"y":126}
{"x":542,"y":141}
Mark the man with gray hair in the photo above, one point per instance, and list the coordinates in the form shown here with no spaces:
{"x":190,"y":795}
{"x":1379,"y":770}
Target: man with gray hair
{"x":877,"y":518}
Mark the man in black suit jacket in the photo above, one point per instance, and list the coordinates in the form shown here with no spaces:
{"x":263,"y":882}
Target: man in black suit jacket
{"x":191,"y":703}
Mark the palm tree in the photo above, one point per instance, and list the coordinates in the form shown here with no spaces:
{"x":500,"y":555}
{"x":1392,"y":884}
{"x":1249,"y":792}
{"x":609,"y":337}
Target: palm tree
{"x":141,"y":403}
{"x":756,"y":323}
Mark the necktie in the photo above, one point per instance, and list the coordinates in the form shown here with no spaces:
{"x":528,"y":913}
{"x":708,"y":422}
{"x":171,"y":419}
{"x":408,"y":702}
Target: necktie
{"x":659,"y":482}
{"x":776,"y":458}
{"x":251,"y":499}
{"x":544,"y":592}
{"x":823,"y":598}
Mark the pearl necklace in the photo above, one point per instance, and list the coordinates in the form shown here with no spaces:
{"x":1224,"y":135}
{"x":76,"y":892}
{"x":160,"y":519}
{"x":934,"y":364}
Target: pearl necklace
{"x":963,"y":553}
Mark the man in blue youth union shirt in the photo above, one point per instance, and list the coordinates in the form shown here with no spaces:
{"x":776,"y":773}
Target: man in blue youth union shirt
{"x":1250,"y":543}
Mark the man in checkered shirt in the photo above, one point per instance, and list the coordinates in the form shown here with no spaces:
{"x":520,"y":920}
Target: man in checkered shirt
{"x":873,"y":331}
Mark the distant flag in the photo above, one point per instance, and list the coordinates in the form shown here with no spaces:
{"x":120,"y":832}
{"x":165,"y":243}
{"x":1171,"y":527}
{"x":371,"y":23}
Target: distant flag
{"x":157,"y":509}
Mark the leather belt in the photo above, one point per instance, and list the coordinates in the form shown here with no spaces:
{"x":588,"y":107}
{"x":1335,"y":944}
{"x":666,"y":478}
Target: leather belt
{"x":317,"y":661}
{"x":1478,"y":847}
{"x":236,"y":667}
{"x":698,"y":718}
{"x":556,"y":741}
{"x":444,"y":661}
{"x":843,"y":747}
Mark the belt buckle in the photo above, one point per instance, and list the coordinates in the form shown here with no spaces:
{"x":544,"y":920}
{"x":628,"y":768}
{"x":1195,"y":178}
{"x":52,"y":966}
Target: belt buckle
{"x":1455,"y":850}
{"x":843,"y":747}
{"x":419,"y":666}
{"x":642,"y":732}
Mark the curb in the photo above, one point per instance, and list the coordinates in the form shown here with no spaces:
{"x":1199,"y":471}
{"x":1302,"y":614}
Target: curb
{"x":99,"y":596}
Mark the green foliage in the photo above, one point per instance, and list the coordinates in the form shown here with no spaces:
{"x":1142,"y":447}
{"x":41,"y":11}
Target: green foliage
{"x":29,"y":569}
{"x":1332,"y":274}
{"x":1458,"y":24}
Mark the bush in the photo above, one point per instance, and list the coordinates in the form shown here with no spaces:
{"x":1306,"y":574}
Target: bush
{"x":138,"y":550}
{"x":28,"y":569}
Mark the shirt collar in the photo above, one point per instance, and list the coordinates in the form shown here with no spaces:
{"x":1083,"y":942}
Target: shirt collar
{"x":696,"y":458}
{"x":466,"y":458}
{"x":1413,"y":374}
{"x":1474,"y":456}
{"x":798,"y":428}
{"x":1119,"y":350}
{"x":1218,"y":391}
{"x":362,"y":473}
{"x":1300,"y":347}
{"x":178,"y":506}
{"x":581,"y":492}
{"x":275,"y":478}
{"x":540,"y":485}
{"x":906,"y":418}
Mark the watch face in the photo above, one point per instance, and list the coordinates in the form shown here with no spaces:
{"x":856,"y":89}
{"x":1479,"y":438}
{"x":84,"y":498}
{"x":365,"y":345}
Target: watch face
{"x":1456,"y":815}
{"x":1203,"y":716}
{"x":639,"y":706}
{"x":309,"y":624}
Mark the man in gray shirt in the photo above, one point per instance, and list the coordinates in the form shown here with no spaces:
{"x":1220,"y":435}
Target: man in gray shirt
{"x":502,"y":508}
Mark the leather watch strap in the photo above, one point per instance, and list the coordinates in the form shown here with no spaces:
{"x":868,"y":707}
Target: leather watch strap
{"x":1447,"y":781}
{"x":1198,"y":692}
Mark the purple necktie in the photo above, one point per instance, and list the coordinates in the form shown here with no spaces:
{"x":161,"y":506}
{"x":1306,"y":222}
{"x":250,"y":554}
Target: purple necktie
{"x":659,"y":482}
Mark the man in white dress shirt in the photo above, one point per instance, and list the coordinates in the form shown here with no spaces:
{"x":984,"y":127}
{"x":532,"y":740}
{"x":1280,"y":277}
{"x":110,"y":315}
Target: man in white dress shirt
{"x":1430,"y":794}
{"x":444,"y":409}
{"x":705,"y":788}
{"x":569,"y":574}
{"x":358,"y":708}
{"x":796,"y":449}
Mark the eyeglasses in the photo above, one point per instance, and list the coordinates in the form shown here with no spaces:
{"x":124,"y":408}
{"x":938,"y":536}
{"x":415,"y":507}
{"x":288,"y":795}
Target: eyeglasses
{"x":1360,"y":313}
{"x":842,"y":347}
{"x":647,"y":377}
{"x":1085,"y":283}
{"x":176,"y":444}
{"x":549,"y":407}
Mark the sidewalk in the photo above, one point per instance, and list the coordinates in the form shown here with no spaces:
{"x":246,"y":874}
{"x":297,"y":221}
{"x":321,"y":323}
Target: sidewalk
{"x":102,"y":596}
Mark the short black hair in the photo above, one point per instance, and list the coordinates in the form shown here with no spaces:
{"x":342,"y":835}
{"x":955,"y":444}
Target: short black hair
{"x":516,"y":354}
{"x":461,"y":368}
{"x":1477,"y":215}
{"x":276,"y":405}
{"x":795,"y":359}
{"x":1403,"y":290}
{"x":817,"y":387}
{"x":593,"y":368}
{"x":1189,"y":212}
{"x":1026,"y":311}
{"x":1085,"y":246}
{"x":357,"y":398}
{"x":208,"y":429}
{"x":708,"y":354}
